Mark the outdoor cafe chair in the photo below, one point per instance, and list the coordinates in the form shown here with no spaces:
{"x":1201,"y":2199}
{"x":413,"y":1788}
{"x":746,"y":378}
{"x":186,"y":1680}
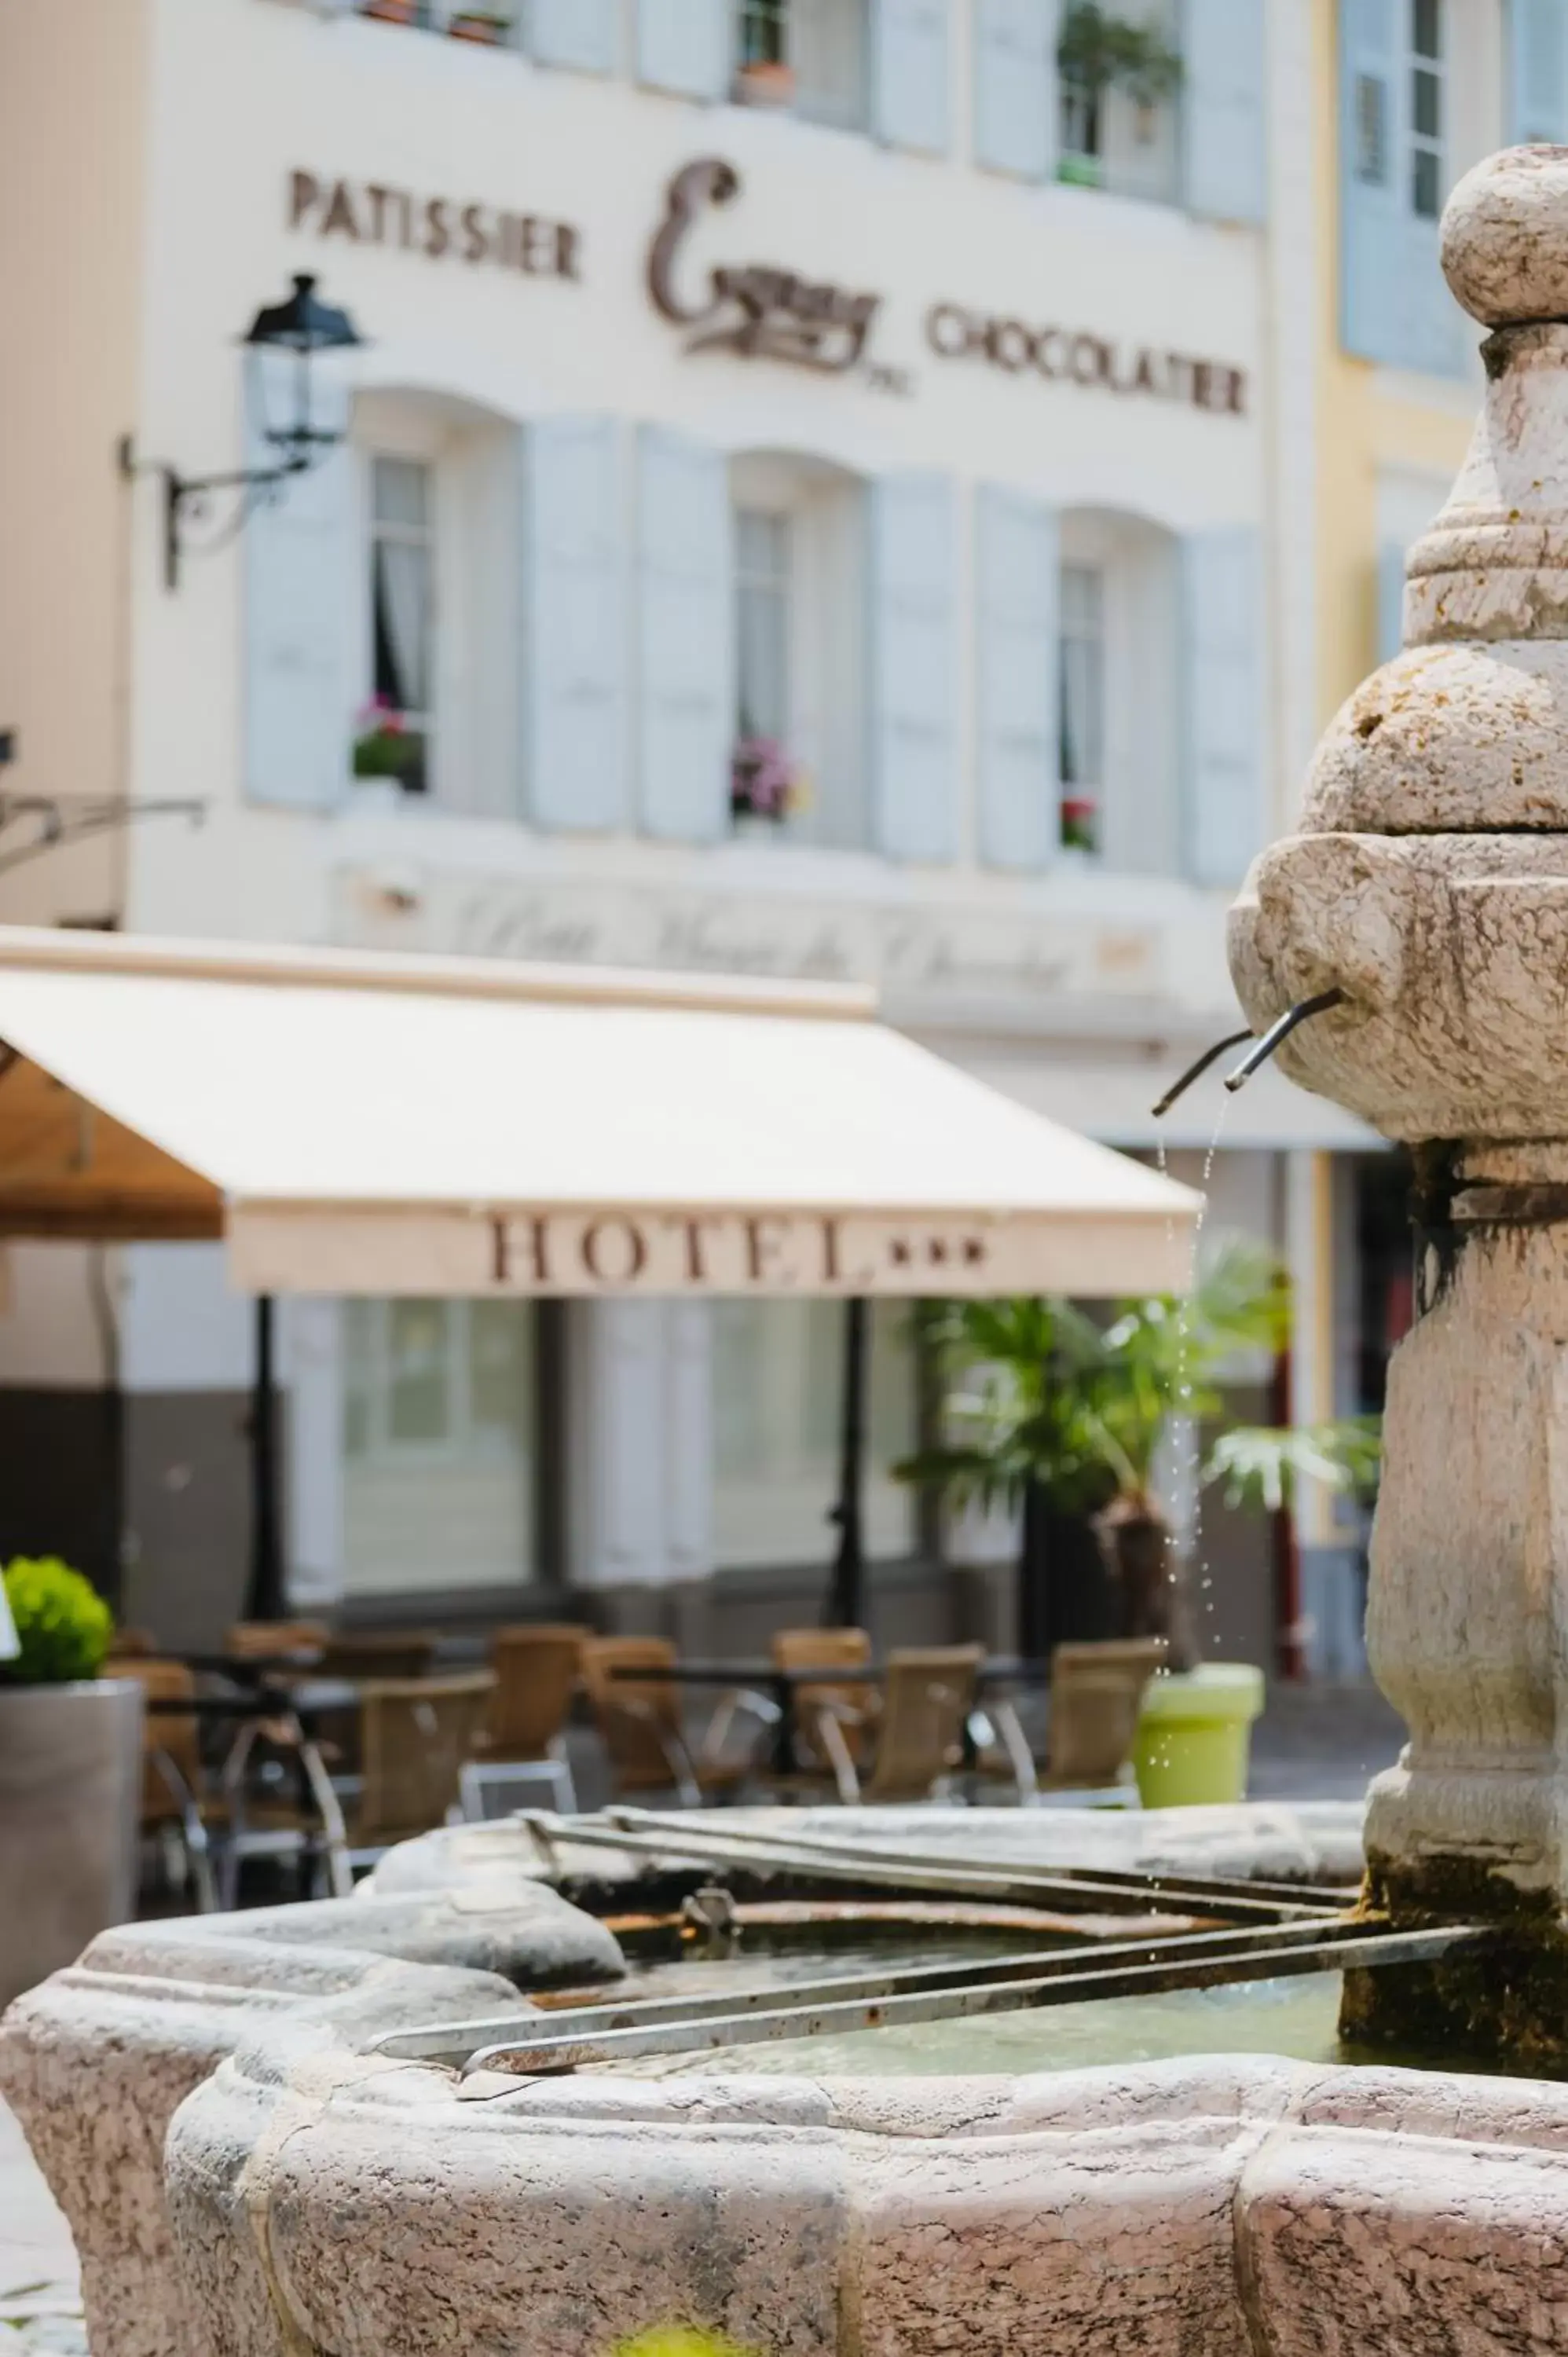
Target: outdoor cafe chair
{"x":173,"y":1780}
{"x":927,"y":1693}
{"x":261,"y":1641}
{"x":1096,"y":1693}
{"x":360,"y":1655}
{"x":851,"y":1707}
{"x":640,"y":1720}
{"x":417,"y":1735}
{"x":536,"y":1668}
{"x":279,"y":1802}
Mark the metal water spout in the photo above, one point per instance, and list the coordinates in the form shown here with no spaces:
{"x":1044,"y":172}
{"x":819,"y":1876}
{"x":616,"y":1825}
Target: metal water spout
{"x":1429,"y":886}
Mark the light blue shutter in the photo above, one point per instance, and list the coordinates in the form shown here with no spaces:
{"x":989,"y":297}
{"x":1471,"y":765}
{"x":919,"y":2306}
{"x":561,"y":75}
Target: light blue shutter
{"x":1017,"y":560}
{"x":1391,"y":600}
{"x":684,"y":45}
{"x":1016,"y":86}
{"x":911,"y":73}
{"x":1394,"y":302}
{"x":914,"y":738}
{"x":1224,"y":60}
{"x":300,"y":556}
{"x":574,"y":624}
{"x":686,"y":601}
{"x":1222,"y":598}
{"x":576,"y":33}
{"x":1538,"y":71}
{"x":1372,"y":163}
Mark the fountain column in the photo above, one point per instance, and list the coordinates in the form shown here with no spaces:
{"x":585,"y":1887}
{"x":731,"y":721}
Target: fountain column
{"x":1430,"y":884}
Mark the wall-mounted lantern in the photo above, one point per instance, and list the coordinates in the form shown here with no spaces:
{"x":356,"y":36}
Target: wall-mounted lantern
{"x":304,"y":326}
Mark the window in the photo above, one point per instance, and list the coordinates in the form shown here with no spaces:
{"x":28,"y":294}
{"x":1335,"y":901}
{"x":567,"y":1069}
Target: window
{"x":1121,"y":692}
{"x":808,"y":55}
{"x":438,"y":1444}
{"x":1118,"y":119}
{"x":778,"y":1388}
{"x":797,"y":772}
{"x":1426,"y":108}
{"x":403,"y":607}
{"x":762,"y":34}
{"x":762,"y":623}
{"x":1082,"y":694}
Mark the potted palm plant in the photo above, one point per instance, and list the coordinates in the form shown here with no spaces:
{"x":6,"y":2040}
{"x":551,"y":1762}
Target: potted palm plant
{"x":1042,"y":1399}
{"x":70,"y":1772}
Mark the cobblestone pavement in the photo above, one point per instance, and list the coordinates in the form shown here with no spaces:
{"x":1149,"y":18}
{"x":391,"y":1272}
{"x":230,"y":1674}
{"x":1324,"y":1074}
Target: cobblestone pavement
{"x":40,"y":2299}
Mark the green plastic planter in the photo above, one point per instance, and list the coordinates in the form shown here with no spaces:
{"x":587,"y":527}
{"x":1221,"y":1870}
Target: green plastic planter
{"x":1194,"y":1735}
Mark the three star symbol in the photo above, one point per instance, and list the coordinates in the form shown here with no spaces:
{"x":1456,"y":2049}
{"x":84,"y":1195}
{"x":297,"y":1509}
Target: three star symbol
{"x":970,"y":1250}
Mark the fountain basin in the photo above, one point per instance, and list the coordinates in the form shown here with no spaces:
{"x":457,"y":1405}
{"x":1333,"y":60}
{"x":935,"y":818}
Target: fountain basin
{"x":248,"y":2170}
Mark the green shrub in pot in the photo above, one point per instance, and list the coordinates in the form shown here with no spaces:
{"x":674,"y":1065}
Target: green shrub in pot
{"x":63,"y":1626}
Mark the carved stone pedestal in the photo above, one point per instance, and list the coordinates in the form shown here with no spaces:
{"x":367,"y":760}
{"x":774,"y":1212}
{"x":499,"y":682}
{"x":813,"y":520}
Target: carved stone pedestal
{"x":1429,"y":885}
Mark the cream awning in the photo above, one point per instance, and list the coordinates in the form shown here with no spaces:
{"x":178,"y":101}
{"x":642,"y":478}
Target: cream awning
{"x":360,"y":1124}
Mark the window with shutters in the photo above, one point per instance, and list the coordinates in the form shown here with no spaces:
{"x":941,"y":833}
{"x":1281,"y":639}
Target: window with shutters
{"x":437,"y":620}
{"x":777,"y":1386}
{"x":809,"y":56}
{"x":797,"y":768}
{"x":1120,"y":692}
{"x":1118,"y":79}
{"x":438,"y":1445}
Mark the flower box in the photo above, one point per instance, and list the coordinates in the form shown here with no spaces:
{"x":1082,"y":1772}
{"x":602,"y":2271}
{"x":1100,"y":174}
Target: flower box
{"x":766,"y":83}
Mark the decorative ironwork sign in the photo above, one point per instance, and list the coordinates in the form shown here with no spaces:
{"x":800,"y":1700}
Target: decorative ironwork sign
{"x":757,"y":309}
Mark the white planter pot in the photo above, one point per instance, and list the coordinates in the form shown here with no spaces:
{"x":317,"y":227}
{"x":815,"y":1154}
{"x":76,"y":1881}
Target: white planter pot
{"x":70,"y":1790}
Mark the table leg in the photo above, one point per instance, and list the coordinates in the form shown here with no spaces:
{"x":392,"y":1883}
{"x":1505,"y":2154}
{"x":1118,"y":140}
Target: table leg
{"x":784,"y":1725}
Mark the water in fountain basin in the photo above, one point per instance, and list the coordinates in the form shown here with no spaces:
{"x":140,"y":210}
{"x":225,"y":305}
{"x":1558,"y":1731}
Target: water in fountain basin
{"x":1296,"y":2018}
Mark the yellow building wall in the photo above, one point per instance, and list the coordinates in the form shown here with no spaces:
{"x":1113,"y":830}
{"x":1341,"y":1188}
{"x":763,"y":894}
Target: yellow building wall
{"x":1364,"y":422}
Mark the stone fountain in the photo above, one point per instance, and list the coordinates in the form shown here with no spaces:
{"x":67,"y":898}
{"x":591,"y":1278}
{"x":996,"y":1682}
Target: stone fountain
{"x":263,"y":2152}
{"x":1429,"y":885}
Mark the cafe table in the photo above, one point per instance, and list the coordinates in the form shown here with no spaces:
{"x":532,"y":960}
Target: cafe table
{"x":781,"y":1687}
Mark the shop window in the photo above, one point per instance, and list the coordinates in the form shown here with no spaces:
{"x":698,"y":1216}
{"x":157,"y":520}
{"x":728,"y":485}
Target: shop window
{"x":403,"y":616}
{"x":778,"y":1389}
{"x":438,"y":1445}
{"x":796,"y":769}
{"x":806,"y":55}
{"x":1119,"y":78}
{"x":1119,"y":682}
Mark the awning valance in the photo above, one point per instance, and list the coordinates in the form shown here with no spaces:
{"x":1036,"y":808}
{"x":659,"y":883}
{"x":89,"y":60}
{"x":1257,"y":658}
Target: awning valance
{"x":363,"y":1123}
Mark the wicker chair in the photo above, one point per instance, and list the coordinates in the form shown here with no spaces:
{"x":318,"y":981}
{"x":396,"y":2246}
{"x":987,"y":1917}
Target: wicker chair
{"x":640,"y":1722}
{"x":417,"y":1735}
{"x":259,"y":1641}
{"x":173,"y":1804}
{"x":536,"y":1668}
{"x":927,"y":1696}
{"x":853,"y":1708}
{"x":1096,"y":1693}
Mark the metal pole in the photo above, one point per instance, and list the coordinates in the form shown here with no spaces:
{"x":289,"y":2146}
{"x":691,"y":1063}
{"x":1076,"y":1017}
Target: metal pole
{"x":846,"y":1597}
{"x":265,"y":1599}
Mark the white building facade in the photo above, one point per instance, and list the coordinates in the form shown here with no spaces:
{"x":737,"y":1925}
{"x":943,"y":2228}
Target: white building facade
{"x":823,"y":495}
